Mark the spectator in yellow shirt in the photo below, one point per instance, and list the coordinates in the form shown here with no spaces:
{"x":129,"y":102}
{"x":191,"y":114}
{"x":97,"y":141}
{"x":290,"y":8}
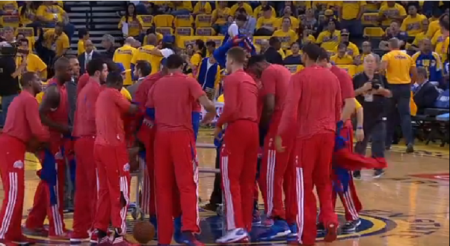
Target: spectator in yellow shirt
{"x":286,"y":35}
{"x":258,"y":10}
{"x":132,"y":22}
{"x":241,"y":4}
{"x":56,"y":40}
{"x":366,"y":51}
{"x":33,"y":62}
{"x":200,"y":53}
{"x":83,"y":35}
{"x":413,"y":23}
{"x":202,"y":7}
{"x":419,"y":37}
{"x":391,"y":11}
{"x":342,"y":58}
{"x":350,"y":13}
{"x":27,"y":15}
{"x":287,"y":13}
{"x":220,"y":14}
{"x":49,"y":14}
{"x":181,"y":8}
{"x":330,"y":38}
{"x":124,"y":55}
{"x":265,"y":26}
{"x":144,"y":54}
{"x":352,"y":49}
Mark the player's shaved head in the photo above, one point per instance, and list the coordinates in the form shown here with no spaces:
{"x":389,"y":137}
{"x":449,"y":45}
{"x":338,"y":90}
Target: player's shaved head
{"x":63,"y":70}
{"x":151,"y":39}
{"x":237,"y":54}
{"x":394,"y":43}
{"x":256,"y":64}
{"x":129,"y":40}
{"x":174,"y":62}
{"x":114,"y":80}
{"x":26,"y":79}
{"x":62,"y":63}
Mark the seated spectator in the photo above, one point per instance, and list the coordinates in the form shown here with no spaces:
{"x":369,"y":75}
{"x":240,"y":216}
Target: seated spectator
{"x":50,"y":14}
{"x":8,"y":35}
{"x":27,"y":15}
{"x":181,"y":8}
{"x":426,"y":93}
{"x":33,"y":62}
{"x":322,"y":25}
{"x":265,"y":26}
{"x":330,"y":38}
{"x":419,"y":37}
{"x":83,"y":35}
{"x":434,"y":26}
{"x":429,"y":60}
{"x":282,"y":6}
{"x":234,"y":9}
{"x":108,"y":43}
{"x":352,"y":49}
{"x":391,"y":11}
{"x":224,"y":28}
{"x":131,"y":24}
{"x":56,"y":42}
{"x":412,"y":24}
{"x":366,"y":50}
{"x":8,"y":7}
{"x":350,"y":14}
{"x":372,"y":6}
{"x":264,"y":46}
{"x":310,"y":18}
{"x":295,"y":58}
{"x":258,"y":10}
{"x":440,"y":41}
{"x":393,"y":31}
{"x":220,"y":16}
{"x":245,"y":22}
{"x":342,"y":57}
{"x":272,"y":54}
{"x":286,"y":35}
{"x":202,"y":7}
{"x":287,"y":13}
{"x":306,"y":36}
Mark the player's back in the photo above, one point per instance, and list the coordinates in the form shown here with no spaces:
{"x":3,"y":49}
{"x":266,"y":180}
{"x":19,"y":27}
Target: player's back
{"x":144,"y":88}
{"x":246,"y":97}
{"x":320,"y":101}
{"x":280,"y":76}
{"x":86,"y":108}
{"x":399,"y":66}
{"x":172,"y":97}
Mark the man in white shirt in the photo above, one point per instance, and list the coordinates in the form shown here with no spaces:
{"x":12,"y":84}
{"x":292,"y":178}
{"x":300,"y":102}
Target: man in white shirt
{"x":87,"y":56}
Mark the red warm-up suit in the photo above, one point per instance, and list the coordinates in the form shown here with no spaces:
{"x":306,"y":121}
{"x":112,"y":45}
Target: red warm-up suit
{"x":276,"y":173}
{"x":314,"y":103}
{"x":22,"y":123}
{"x":42,"y":205}
{"x":240,"y":148}
{"x":176,"y":167}
{"x":86,"y":172}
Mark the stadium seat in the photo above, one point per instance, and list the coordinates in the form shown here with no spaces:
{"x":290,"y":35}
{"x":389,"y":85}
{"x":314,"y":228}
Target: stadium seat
{"x":163,"y":20}
{"x":376,"y":32}
{"x":370,"y":19}
{"x":351,"y":69}
{"x":183,"y":21}
{"x":203,"y":20}
{"x":10,"y":20}
{"x":205,"y":31}
{"x":184,"y":31}
{"x":26,"y":31}
{"x":184,"y":41}
{"x":217,"y":39}
{"x":147,"y":20}
{"x":165,"y":30}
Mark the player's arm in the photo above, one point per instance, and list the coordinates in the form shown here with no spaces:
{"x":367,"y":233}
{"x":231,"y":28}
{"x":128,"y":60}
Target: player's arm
{"x":34,"y":121}
{"x":349,"y":96}
{"x":338,"y":103}
{"x":289,"y":115}
{"x":49,"y":102}
{"x":125,"y":106}
{"x":268,"y":81}
{"x":231,"y":98}
{"x":413,"y":72}
{"x":384,"y":64}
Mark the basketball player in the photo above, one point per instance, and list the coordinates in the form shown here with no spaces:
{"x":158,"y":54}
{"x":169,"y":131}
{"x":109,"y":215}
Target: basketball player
{"x":275,"y":170}
{"x":314,"y":103}
{"x":176,"y":167}
{"x":240,"y":147}
{"x":112,"y":161}
{"x":348,"y":197}
{"x":85,"y":132}
{"x":22,"y":124}
{"x":48,"y":199}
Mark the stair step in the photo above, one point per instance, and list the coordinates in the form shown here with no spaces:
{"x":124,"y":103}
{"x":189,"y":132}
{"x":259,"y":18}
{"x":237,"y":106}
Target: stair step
{"x":95,"y":15}
{"x":97,"y":20}
{"x":99,"y":3}
{"x":96,"y":8}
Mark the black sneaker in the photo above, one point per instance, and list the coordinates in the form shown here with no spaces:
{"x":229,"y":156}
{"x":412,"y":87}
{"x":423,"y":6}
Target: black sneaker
{"x":320,"y":227}
{"x":378,"y":173}
{"x":357,"y":175}
{"x":410,"y":149}
{"x":351,"y":226}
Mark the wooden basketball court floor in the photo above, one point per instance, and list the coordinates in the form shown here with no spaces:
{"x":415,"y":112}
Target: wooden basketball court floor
{"x":409,"y":206}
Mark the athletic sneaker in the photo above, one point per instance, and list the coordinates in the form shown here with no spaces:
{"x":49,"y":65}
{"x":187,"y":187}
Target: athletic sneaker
{"x":320,"y":227}
{"x":177,"y":235}
{"x":378,"y":173}
{"x":357,"y":175}
{"x":410,"y":149}
{"x":189,"y":239}
{"x":120,"y":241}
{"x":351,"y":226}
{"x":104,"y":241}
{"x":279,"y":229}
{"x":331,"y":232}
{"x":233,"y":236}
{"x":294,"y":232}
{"x":256,"y":217}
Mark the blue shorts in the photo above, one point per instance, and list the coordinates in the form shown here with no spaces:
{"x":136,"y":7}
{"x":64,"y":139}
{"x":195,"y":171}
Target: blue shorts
{"x":196,"y":123}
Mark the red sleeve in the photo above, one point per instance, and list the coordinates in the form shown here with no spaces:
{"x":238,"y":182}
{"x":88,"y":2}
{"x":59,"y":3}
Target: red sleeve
{"x":34,"y":121}
{"x":347,"y":90}
{"x":122,"y":103}
{"x":82,"y":81}
{"x":268,"y":79}
{"x":289,"y":115}
{"x":230,"y":96}
{"x":149,"y":103}
{"x":141,"y":96}
{"x":195,"y":89}
{"x":338,"y":102}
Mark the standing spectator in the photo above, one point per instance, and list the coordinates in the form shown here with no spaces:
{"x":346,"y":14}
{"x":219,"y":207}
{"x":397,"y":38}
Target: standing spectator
{"x":412,"y":24}
{"x":83,"y":35}
{"x":330,"y":38}
{"x":87,"y":55}
{"x":131,"y":24}
{"x":426,"y":93}
{"x":295,"y":58}
{"x":108,"y":43}
{"x":391,"y":11}
{"x":56,"y":43}
{"x":429,"y":60}
{"x":271,"y":54}
{"x":33,"y":62}
{"x":249,"y":25}
{"x":370,"y":90}
{"x":350,"y":14}
{"x":265,"y":26}
{"x":200,"y":53}
{"x":398,"y":67}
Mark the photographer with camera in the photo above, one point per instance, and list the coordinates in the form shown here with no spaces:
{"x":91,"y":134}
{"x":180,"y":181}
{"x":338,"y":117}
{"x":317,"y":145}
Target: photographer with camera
{"x":370,"y":90}
{"x":9,"y":77}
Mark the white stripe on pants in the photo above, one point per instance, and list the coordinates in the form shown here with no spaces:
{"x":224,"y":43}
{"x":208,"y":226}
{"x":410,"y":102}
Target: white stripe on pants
{"x":300,"y":191}
{"x":12,"y":197}
{"x":270,"y":178}
{"x":228,"y":198}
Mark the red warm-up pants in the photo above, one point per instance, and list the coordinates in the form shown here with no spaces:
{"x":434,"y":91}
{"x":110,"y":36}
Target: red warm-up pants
{"x":41,"y":204}
{"x":239,"y":156}
{"x":86,"y":187}
{"x":349,"y":198}
{"x":276,"y":176}
{"x":12,"y":155}
{"x":146,"y":135}
{"x":312,"y":157}
{"x":113,"y":170}
{"x":176,"y":176}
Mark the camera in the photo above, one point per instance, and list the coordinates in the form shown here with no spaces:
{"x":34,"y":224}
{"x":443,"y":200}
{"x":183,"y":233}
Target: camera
{"x":376,"y":84}
{"x":11,"y":50}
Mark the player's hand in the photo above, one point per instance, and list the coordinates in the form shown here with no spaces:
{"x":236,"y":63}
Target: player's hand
{"x":367,"y":86}
{"x":217,"y":132}
{"x":209,"y":117}
{"x":279,"y":144}
{"x":360,"y":135}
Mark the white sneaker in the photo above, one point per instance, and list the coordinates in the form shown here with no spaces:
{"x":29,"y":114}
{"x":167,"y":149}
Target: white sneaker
{"x":233,"y":236}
